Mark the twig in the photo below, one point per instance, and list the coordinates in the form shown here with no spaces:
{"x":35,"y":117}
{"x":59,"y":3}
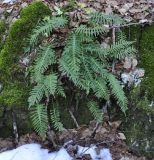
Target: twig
{"x":129,"y":24}
{"x":15,"y":130}
{"x":74,"y":119}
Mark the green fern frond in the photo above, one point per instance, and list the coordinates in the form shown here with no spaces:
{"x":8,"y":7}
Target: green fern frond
{"x":100,"y":89}
{"x":120,"y":49}
{"x":90,"y":31}
{"x":55,"y":117}
{"x":60,"y":90}
{"x":38,"y":116}
{"x":125,"y":52}
{"x":36,"y":94}
{"x":120,"y":36}
{"x":45,"y":58}
{"x":118,"y":92}
{"x":50,"y":83}
{"x":45,"y":27}
{"x":109,"y":19}
{"x":95,"y":111}
{"x":98,"y":66}
{"x":70,"y":61}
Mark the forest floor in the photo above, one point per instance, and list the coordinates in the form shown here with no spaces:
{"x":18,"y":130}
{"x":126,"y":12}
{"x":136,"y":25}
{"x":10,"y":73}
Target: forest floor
{"x":102,"y":136}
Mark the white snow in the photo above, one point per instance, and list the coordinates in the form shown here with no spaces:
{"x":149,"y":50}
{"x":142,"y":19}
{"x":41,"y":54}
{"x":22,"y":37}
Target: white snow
{"x":35,"y":152}
{"x":8,"y":1}
{"x":104,"y":153}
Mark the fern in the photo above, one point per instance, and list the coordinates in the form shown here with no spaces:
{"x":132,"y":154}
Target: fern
{"x":90,"y":31}
{"x":39,"y":119}
{"x":120,"y":49}
{"x":96,"y":112}
{"x":118,"y":92}
{"x":45,"y":28}
{"x":45,"y":58}
{"x":36,"y":94}
{"x":50,"y":83}
{"x":106,"y":19}
{"x":70,"y":62}
{"x":83,"y":63}
{"x":55,"y":117}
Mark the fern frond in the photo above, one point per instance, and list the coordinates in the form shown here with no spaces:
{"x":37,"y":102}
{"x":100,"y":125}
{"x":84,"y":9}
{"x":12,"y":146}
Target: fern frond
{"x":125,"y":52}
{"x":120,"y":49}
{"x":98,"y":67}
{"x":109,"y":19}
{"x":120,"y":36}
{"x":55,"y":117}
{"x":60,"y":90}
{"x":50,"y":82}
{"x":70,"y":61}
{"x":45,"y":27}
{"x":100,"y":89}
{"x":118,"y":92}
{"x":38,"y":116}
{"x":36,"y":94}
{"x":95,"y":111}
{"x":45,"y":58}
{"x":90,"y":31}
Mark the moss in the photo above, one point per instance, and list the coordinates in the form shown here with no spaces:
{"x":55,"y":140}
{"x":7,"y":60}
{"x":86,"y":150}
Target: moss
{"x":11,"y":74}
{"x":2,"y":30}
{"x":70,"y":7}
{"x":14,"y":95}
{"x":19,"y":31}
{"x":147,"y":59}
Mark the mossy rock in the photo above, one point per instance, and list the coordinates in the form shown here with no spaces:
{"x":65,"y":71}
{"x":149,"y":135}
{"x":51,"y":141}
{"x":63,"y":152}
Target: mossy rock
{"x":147,"y":59}
{"x":12,"y":76}
{"x":18,"y":32}
{"x":2,"y":30}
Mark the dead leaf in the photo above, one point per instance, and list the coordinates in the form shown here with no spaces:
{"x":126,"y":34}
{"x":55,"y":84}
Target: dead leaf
{"x":127,"y":63}
{"x":108,"y":10}
{"x":115,"y":124}
{"x":121,"y":136}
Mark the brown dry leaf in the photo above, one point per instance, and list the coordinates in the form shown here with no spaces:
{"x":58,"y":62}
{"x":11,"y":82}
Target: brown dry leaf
{"x":127,"y":6}
{"x":101,"y":130}
{"x":82,"y":5}
{"x":97,"y":5}
{"x":86,"y":133}
{"x":112,"y":3}
{"x":108,"y":10}
{"x":122,"y":11}
{"x":127,"y":63}
{"x":115,"y":124}
{"x":133,"y":10}
{"x":134,"y":63}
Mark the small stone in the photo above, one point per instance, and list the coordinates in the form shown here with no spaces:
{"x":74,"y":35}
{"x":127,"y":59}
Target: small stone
{"x":23,"y":5}
{"x":121,"y":136}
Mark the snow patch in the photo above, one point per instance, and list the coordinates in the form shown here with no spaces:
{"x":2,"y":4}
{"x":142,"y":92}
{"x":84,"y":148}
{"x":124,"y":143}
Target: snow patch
{"x":35,"y":152}
{"x":104,"y":153}
{"x":9,"y":1}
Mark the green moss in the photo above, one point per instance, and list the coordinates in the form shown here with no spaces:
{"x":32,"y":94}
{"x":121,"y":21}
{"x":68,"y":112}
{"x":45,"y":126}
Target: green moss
{"x":145,"y":44}
{"x":14,"y":95}
{"x":19,"y":31}
{"x":147,"y":59}
{"x":70,"y":7}
{"x":2,"y":30}
{"x":11,"y":73}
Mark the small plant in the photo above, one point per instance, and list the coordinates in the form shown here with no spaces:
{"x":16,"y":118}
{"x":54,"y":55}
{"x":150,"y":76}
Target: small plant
{"x":84,"y":63}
